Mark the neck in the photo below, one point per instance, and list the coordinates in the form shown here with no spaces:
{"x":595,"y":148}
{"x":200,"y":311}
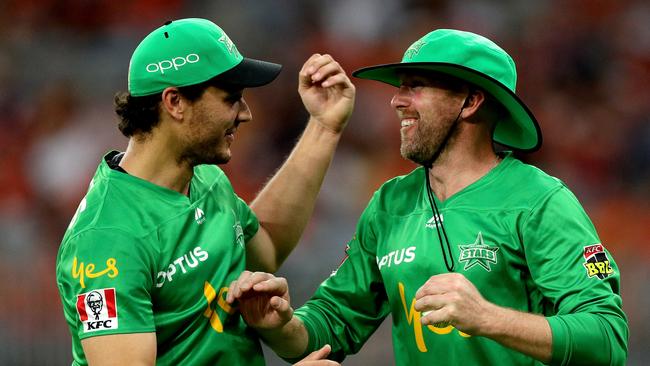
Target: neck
{"x":459,"y":167}
{"x":153,"y":160}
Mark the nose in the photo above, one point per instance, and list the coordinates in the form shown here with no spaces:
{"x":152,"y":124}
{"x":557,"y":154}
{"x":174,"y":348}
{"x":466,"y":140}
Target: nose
{"x":402,"y":98}
{"x":244,"y":114}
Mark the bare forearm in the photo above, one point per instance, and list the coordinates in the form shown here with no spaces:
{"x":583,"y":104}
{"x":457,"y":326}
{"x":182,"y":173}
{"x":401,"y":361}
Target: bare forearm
{"x":524,"y":332}
{"x":286,"y":203}
{"x":290,"y":341}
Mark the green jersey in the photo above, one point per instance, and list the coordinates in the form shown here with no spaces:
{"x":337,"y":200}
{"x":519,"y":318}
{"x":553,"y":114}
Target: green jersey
{"x":138,"y":257}
{"x":519,"y":235}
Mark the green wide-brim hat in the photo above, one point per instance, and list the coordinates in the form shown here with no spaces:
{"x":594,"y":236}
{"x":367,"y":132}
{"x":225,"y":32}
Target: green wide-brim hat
{"x":476,"y":60}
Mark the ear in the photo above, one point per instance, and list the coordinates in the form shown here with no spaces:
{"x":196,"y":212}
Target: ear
{"x":173,"y":103}
{"x":475,"y":98}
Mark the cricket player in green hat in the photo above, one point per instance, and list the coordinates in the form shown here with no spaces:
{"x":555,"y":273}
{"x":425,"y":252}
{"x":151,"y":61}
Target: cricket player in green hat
{"x":479,"y":258}
{"x":144,"y":267}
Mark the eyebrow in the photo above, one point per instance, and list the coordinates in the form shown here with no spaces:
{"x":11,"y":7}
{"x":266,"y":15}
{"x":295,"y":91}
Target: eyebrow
{"x":433,"y":79}
{"x":234,"y":94}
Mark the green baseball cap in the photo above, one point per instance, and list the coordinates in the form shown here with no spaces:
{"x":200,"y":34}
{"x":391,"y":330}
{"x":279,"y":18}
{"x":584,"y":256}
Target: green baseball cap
{"x":190,"y":51}
{"x":478,"y":61}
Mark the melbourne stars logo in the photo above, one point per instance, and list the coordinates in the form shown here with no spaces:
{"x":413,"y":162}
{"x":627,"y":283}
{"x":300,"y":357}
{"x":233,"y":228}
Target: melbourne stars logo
{"x":478,"y":254}
{"x":414,"y":49}
{"x":230,"y":46}
{"x":239,"y":232}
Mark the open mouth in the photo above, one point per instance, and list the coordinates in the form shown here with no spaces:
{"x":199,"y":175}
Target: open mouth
{"x":408,"y":123}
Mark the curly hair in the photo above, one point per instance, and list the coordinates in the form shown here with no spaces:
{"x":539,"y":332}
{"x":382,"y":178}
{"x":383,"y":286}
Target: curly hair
{"x":139,"y":115}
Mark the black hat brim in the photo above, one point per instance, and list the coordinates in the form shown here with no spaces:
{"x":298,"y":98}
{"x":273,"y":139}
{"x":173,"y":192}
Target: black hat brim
{"x":250,"y":73}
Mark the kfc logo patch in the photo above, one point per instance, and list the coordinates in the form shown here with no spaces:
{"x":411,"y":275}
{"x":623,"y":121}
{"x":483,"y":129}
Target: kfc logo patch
{"x":98,"y":310}
{"x":596,"y":261}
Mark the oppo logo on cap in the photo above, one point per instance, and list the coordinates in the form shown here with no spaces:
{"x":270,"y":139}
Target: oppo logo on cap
{"x":175,"y":63}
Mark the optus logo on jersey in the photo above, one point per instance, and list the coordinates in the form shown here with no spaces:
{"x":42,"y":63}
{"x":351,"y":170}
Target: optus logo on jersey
{"x":192,"y":259}
{"x":396,"y":257}
{"x":175,"y":63}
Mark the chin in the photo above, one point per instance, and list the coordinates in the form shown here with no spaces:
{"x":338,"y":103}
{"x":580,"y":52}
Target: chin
{"x":415,"y":156}
{"x":218,"y":160}
{"x":211,"y":160}
{"x":218,"y":156}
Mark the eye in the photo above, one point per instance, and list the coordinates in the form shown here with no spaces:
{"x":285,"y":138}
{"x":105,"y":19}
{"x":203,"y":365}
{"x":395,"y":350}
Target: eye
{"x":414,"y":84}
{"x":233,"y":98}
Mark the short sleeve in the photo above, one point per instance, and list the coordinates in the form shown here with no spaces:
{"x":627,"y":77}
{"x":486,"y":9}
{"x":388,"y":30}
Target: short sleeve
{"x":105,"y":277}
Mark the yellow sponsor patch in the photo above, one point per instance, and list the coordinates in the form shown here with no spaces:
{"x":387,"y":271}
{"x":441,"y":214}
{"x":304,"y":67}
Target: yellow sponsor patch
{"x":596,"y":262}
{"x":82,"y":270}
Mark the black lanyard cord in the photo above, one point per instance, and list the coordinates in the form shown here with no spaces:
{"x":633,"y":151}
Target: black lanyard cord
{"x":437,"y":217}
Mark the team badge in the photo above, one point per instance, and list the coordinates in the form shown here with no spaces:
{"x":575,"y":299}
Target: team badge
{"x":414,"y":49}
{"x":230,"y":46}
{"x":478,"y":253}
{"x":596,"y":261}
{"x":239,"y":234}
{"x":97,"y":310}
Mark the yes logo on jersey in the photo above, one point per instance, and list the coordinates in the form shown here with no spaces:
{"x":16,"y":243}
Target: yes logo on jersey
{"x":596,"y":261}
{"x":97,"y":310}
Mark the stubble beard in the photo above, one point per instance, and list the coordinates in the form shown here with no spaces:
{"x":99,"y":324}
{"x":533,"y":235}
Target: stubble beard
{"x":205,"y":152}
{"x":427,"y":143}
{"x":203,"y":146}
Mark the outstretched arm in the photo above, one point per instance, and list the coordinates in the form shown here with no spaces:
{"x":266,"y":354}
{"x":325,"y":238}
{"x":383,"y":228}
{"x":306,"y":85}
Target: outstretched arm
{"x":285,"y":204}
{"x":264,"y":303}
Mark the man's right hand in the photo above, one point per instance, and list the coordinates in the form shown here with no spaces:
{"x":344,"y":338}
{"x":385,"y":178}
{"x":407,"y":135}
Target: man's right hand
{"x":326,"y":91}
{"x":263,"y":299}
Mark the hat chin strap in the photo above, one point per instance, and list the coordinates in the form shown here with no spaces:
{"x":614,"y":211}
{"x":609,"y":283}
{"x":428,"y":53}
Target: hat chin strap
{"x":428,"y":164}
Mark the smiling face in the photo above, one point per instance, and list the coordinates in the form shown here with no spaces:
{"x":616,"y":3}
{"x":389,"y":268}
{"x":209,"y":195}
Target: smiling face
{"x":213,"y":122}
{"x":427,"y":107}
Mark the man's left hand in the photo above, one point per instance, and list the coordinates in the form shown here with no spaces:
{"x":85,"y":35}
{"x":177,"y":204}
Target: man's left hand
{"x":451,"y":298}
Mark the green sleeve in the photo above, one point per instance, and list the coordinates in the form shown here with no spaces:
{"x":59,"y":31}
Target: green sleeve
{"x":349,"y":306}
{"x":585,"y":307}
{"x":115,"y":270}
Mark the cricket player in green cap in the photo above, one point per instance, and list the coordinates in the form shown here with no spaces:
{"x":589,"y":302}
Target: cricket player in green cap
{"x":479,"y":258}
{"x":144,"y":267}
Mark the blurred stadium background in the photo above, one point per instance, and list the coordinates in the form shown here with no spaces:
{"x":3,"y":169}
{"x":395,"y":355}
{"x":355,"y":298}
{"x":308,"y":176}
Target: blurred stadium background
{"x":584,"y":70}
